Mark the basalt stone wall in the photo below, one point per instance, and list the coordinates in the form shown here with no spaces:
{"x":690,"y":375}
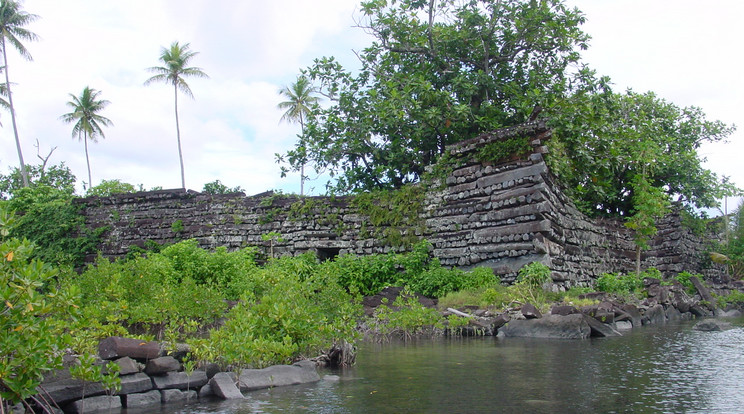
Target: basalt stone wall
{"x":500,"y":215}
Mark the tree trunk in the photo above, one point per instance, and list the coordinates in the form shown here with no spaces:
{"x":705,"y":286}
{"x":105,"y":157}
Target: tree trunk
{"x":87,"y":160}
{"x":302,"y":166}
{"x":638,"y":261}
{"x":24,"y":173}
{"x":178,"y":137}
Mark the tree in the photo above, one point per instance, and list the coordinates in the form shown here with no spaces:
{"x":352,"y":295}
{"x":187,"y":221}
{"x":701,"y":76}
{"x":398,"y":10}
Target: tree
{"x":604,"y":140}
{"x":176,"y":60}
{"x":58,"y":177}
{"x":109,"y":187}
{"x":298,"y":105}
{"x":12,"y":31}
{"x":216,"y":187}
{"x":439,"y":71}
{"x":85,"y":110}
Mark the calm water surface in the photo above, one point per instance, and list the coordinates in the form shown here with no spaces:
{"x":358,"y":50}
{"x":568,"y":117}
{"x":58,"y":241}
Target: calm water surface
{"x":651,"y":370}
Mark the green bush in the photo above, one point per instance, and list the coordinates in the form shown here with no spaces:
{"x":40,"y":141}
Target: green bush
{"x":624,"y":284}
{"x":405,"y":318}
{"x":32,"y":317}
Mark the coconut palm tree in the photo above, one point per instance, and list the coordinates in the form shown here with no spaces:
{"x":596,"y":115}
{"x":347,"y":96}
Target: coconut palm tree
{"x":88,"y":121}
{"x":298,"y":105}
{"x":12,"y":20}
{"x":175,"y":68}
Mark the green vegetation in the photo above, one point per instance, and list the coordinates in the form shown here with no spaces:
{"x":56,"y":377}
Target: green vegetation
{"x":395,"y":214}
{"x":110,"y":187}
{"x":502,"y":150}
{"x":436,"y":73}
{"x":216,"y":187}
{"x":33,"y":316}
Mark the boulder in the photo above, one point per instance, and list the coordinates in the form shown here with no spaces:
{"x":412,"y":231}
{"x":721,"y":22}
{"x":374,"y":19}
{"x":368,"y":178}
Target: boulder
{"x":71,"y":389}
{"x":624,"y":325}
{"x":162,"y":365}
{"x":117,"y":347}
{"x":733,"y":313}
{"x":223,"y":386}
{"x":704,"y":292}
{"x":94,"y":404}
{"x":551,"y":326}
{"x":711,"y":325}
{"x":172,"y":396}
{"x":635,"y":315}
{"x":278,"y":375}
{"x":529,"y":311}
{"x":141,"y":399}
{"x":128,"y":366}
{"x":654,"y":315}
{"x":135,"y":383}
{"x":180,"y":380}
{"x":673,"y":314}
{"x":600,"y":329}
{"x":563,"y":310}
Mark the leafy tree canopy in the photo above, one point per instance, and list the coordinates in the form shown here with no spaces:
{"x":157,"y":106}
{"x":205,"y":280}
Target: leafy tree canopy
{"x":604,"y":142}
{"x":109,"y":187}
{"x":439,"y":71}
{"x":58,"y":177}
{"x":216,"y":187}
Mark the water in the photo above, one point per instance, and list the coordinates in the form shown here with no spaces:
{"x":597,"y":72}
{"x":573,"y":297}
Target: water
{"x":651,"y":370}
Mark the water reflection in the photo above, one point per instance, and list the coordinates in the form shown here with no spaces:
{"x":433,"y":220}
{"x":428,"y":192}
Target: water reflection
{"x":668,"y":370}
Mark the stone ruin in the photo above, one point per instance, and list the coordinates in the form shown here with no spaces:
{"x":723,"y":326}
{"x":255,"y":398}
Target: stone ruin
{"x":501,"y":215}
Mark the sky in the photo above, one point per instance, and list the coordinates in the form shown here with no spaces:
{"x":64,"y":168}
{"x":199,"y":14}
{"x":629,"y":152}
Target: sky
{"x":686,"y":51}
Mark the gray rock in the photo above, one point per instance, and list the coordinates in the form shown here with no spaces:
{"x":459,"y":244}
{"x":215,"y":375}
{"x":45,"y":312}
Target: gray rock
{"x":635,"y":315}
{"x":624,"y":325}
{"x":94,"y":404}
{"x":654,"y":315}
{"x":128,"y":366}
{"x":117,"y":347}
{"x":180,"y":380}
{"x":142,"y":399}
{"x":172,"y":396}
{"x":711,"y":325}
{"x":162,"y":365}
{"x":135,"y":383}
{"x":563,"y":310}
{"x":278,"y":375}
{"x":673,"y":314}
{"x":224,"y":387}
{"x":206,"y":391}
{"x":733,"y":313}
{"x":68,"y":390}
{"x":600,"y":329}
{"x":530,"y":311}
{"x":551,"y":326}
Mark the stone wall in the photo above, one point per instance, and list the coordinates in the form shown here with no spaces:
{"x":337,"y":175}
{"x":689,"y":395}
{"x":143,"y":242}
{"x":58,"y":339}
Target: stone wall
{"x":501,"y":215}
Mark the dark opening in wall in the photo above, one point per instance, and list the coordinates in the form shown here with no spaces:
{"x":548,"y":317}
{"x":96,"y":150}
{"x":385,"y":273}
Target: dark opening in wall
{"x":328,"y":253}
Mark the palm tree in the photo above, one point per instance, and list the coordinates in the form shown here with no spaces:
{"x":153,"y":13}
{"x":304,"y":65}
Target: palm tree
{"x":12,"y":20}
{"x":298,"y":105}
{"x":175,"y":60}
{"x":85,"y":110}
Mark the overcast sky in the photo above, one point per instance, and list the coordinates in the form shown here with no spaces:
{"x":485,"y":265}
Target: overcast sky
{"x":687,"y":51}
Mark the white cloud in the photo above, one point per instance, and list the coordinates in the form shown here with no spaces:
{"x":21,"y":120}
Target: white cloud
{"x":684,"y":50}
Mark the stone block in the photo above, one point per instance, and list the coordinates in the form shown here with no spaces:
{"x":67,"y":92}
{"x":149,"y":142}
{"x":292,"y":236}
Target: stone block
{"x":172,"y":396}
{"x":179,"y":380}
{"x":162,"y":365}
{"x":551,"y":326}
{"x":278,"y":375}
{"x":128,"y":366}
{"x":223,"y":386}
{"x":141,"y":399}
{"x":71,"y":389}
{"x":135,"y":383}
{"x":117,"y":347}
{"x":102,"y":403}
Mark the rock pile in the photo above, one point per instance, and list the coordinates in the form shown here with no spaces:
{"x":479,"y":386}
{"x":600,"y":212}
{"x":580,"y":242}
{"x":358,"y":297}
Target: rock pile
{"x":149,"y":378}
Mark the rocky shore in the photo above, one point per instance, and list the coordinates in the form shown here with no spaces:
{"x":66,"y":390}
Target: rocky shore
{"x":151,"y":376}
